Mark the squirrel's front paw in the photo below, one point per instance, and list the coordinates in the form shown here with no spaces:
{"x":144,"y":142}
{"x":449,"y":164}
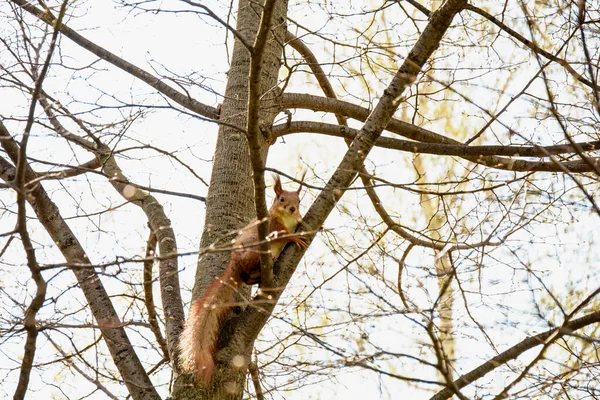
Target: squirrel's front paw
{"x":301,"y":243}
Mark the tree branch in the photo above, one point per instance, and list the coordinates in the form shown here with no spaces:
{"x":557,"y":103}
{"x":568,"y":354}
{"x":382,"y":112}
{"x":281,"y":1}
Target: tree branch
{"x":350,"y":134}
{"x":67,"y":361}
{"x":149,"y":295}
{"x":255,"y":317}
{"x":531,"y":45}
{"x":317,"y":103}
{"x":516,"y":351}
{"x":126,"y":360}
{"x":256,"y":141}
{"x":178,"y":97}
{"x":29,"y":321}
{"x":157,"y":220}
{"x":477,"y":153}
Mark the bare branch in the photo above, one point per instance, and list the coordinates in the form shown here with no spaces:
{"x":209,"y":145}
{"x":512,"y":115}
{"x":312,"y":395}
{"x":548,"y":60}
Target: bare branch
{"x":118,"y":343}
{"x":253,"y":319}
{"x":516,"y":351}
{"x":149,"y":295}
{"x":182,"y":99}
{"x":253,"y":368}
{"x":485,"y":155}
{"x":19,"y":184}
{"x":158,"y":222}
{"x":256,"y":142}
{"x":531,"y":45}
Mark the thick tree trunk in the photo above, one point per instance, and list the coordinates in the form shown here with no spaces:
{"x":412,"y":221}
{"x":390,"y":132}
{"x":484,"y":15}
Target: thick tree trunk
{"x":230,"y":199}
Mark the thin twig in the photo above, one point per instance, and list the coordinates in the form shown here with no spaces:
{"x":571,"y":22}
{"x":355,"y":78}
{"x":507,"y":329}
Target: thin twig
{"x":149,"y":295}
{"x":253,"y":369}
{"x":29,"y":321}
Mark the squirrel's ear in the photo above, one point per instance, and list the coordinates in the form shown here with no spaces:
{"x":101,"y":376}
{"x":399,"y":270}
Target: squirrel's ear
{"x":277,"y":187}
{"x":301,"y":181}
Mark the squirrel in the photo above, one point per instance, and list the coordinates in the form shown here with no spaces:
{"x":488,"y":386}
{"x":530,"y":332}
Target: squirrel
{"x":198,"y":341}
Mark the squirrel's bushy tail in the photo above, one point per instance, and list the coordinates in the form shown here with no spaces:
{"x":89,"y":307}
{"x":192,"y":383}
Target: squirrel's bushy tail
{"x":198,"y":341}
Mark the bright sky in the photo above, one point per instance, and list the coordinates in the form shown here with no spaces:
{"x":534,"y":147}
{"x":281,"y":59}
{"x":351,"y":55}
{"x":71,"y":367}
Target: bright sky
{"x":184,"y":44}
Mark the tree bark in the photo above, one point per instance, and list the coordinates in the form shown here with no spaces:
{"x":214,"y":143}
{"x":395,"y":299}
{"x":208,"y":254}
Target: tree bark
{"x":230,"y":200}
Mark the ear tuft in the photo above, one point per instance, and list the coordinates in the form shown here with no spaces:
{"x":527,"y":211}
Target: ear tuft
{"x":277,"y":187}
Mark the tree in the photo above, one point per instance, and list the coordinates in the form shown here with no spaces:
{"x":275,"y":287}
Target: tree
{"x":451,"y":249}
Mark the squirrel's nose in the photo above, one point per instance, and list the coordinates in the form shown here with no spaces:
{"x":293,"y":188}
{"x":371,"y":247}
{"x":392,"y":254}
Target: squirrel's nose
{"x":292,"y":209}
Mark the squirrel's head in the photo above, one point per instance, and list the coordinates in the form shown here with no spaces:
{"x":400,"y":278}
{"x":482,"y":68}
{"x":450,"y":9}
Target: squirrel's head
{"x":287,"y":203}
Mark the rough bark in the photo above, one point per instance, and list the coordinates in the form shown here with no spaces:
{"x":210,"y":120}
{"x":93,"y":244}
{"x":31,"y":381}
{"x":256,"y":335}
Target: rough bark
{"x":230,"y":201}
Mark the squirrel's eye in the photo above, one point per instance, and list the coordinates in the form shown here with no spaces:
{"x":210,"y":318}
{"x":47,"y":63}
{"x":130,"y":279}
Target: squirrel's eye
{"x":282,"y":199}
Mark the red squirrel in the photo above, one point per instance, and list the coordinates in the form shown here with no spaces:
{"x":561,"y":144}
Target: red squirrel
{"x":198,"y":341}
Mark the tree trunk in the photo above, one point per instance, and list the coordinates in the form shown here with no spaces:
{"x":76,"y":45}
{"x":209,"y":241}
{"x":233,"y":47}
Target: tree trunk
{"x":230,"y":199}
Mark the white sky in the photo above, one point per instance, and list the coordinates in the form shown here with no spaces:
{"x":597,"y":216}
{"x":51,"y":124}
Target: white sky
{"x":185,"y":44}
